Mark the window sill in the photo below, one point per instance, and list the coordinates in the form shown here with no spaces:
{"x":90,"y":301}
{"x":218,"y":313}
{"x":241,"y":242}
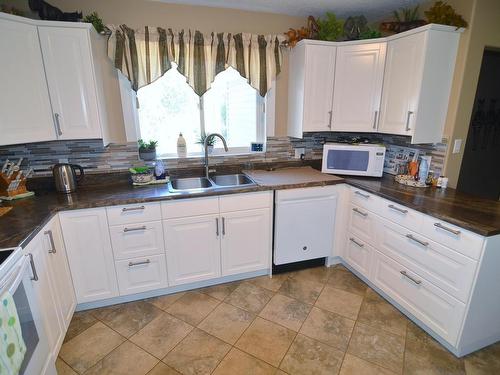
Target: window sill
{"x":216,"y":154}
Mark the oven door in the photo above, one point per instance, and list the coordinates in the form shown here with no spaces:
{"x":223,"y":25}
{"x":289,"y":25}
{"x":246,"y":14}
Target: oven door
{"x":347,"y":160}
{"x":18,"y":282}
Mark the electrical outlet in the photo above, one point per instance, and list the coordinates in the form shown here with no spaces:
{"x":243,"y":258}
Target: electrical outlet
{"x":457,"y":145}
{"x":299,"y":151}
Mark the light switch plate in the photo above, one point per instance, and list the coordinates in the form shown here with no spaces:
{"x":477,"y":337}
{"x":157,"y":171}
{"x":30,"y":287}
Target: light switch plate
{"x":457,"y":145}
{"x":299,"y":151}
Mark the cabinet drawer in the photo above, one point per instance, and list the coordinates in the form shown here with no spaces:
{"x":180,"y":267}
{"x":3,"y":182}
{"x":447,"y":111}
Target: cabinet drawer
{"x":447,"y":269}
{"x":249,"y":201}
{"x":459,"y":239}
{"x":135,"y":240}
{"x":401,"y":215}
{"x":439,"y":311}
{"x":361,"y":223}
{"x":133,"y":213}
{"x":141,"y":274}
{"x":364,"y":199}
{"x":190,"y":207}
{"x":358,"y":254}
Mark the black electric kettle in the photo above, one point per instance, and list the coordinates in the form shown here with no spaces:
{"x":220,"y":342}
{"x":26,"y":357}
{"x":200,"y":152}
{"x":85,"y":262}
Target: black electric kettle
{"x":65,"y":177}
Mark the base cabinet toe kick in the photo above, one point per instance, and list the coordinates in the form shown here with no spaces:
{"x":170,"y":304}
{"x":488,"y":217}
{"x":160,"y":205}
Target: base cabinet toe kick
{"x":443,"y":277}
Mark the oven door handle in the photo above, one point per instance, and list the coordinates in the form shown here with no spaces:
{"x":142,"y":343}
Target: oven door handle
{"x":14,"y":278}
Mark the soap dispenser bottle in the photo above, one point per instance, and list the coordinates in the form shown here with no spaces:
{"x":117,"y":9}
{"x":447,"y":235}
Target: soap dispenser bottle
{"x":181,"y":146}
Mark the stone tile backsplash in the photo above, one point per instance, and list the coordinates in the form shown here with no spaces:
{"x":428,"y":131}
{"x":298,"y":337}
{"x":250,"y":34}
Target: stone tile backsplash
{"x":95,"y":158}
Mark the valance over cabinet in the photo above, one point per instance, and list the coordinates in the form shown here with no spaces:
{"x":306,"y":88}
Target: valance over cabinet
{"x":54,"y":78}
{"x":145,"y":54}
{"x":396,"y":85}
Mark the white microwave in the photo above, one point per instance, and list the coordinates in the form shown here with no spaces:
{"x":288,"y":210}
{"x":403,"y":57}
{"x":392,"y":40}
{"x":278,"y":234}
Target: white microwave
{"x":353,"y":159}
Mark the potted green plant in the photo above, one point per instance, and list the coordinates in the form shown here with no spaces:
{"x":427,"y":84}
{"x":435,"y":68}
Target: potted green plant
{"x":330,"y":28}
{"x":211,"y":142}
{"x":96,"y":21}
{"x":147,"y":150}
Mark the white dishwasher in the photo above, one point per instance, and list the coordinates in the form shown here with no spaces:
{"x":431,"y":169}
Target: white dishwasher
{"x":304,"y":223}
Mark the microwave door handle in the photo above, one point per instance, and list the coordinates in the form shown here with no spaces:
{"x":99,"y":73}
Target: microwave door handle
{"x":12,"y":281}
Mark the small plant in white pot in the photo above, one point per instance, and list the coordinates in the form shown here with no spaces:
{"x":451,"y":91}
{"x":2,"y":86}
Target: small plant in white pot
{"x":147,"y":150}
{"x":211,"y":142}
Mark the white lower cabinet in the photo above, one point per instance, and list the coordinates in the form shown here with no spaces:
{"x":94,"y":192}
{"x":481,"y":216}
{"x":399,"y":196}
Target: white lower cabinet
{"x":137,"y":239}
{"x":439,"y":311}
{"x":192,"y":246}
{"x":246,"y":240}
{"x":141,"y":274}
{"x":358,"y":254}
{"x":90,"y":256}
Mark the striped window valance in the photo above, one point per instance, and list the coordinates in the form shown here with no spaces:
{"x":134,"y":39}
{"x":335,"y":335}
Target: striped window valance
{"x":145,"y":54}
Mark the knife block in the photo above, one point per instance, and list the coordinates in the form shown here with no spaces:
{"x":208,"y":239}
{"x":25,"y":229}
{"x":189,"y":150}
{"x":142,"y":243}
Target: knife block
{"x":5,"y":183}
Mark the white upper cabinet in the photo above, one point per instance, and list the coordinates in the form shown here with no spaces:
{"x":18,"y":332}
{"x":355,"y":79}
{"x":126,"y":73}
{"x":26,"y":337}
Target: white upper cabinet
{"x":396,"y":85}
{"x":417,"y":83}
{"x":25,"y":113}
{"x":310,"y":92}
{"x":73,"y":92}
{"x":359,"y":72}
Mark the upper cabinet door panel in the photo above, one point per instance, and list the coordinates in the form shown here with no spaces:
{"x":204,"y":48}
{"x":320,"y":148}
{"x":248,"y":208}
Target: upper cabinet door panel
{"x":318,"y":87}
{"x":69,"y":68}
{"x":359,"y":73}
{"x":25,"y":114}
{"x":402,"y":81}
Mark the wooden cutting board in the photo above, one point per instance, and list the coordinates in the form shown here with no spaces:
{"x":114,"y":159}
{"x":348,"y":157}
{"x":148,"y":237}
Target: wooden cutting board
{"x":4,"y":210}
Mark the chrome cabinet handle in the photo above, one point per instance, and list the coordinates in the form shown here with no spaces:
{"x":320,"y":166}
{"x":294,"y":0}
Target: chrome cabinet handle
{"x":361,"y":194}
{"x":33,"y":268}
{"x":223,"y":226}
{"x":51,"y":239}
{"x":375,"y":120}
{"x":58,"y":123}
{"x":365,"y":214}
{"x":217,"y":226}
{"x":441,"y":226}
{"x":393,"y":207}
{"x":125,"y":209}
{"x":132,"y":264}
{"x":423,"y":243}
{"x":356,"y":242}
{"x":408,"y":120}
{"x":134,"y":229}
{"x":418,"y":282}
{"x":330,"y":113}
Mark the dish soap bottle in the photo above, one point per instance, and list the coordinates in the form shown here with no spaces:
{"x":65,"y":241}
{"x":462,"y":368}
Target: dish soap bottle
{"x":181,"y":146}
{"x":423,"y":170}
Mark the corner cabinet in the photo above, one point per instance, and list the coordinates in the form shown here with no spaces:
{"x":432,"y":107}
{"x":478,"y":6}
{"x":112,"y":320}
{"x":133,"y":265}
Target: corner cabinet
{"x":90,"y":256}
{"x":53,"y":77}
{"x":396,"y":85}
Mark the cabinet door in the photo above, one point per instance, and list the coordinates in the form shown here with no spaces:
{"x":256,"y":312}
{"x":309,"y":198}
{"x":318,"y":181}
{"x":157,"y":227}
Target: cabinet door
{"x":59,"y":269}
{"x":46,"y":295}
{"x":70,"y":76}
{"x":359,"y":72}
{"x":25,"y":113}
{"x":193,"y":248}
{"x":246,"y":241}
{"x":318,"y":87}
{"x":402,"y":79}
{"x":89,"y":252}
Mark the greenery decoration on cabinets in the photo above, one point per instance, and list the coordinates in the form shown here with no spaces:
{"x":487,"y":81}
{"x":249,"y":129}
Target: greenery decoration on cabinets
{"x":404,"y":19}
{"x":96,"y":21}
{"x":147,"y":150}
{"x":330,"y":28}
{"x":444,"y":14}
{"x":309,"y":32}
{"x":11,"y":10}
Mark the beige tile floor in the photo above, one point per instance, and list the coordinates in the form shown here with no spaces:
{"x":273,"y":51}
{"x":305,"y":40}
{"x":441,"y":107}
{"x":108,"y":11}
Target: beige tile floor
{"x":316,"y":321}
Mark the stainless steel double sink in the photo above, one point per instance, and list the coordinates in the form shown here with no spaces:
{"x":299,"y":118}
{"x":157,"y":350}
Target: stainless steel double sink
{"x":200,"y":184}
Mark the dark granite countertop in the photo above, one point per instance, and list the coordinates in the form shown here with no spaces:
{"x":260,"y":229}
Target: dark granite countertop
{"x":478,"y":215}
{"x":29,"y":215}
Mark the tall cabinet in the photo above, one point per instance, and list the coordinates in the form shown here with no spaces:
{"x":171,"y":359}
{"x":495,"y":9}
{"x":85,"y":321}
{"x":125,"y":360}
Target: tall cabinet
{"x":56,"y":83}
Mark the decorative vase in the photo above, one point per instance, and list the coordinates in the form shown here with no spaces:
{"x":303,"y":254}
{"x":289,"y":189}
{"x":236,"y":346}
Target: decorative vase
{"x":147,"y":155}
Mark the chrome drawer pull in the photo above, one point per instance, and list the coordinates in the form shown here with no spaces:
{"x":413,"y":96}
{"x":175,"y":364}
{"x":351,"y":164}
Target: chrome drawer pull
{"x":33,"y":268}
{"x":418,"y":282}
{"x":134,"y":229}
{"x":132,"y":264}
{"x":223,"y":226}
{"x":217,"y":226}
{"x":361,"y":194}
{"x":393,"y":207}
{"x":51,"y":239}
{"x":408,"y":120}
{"x":441,"y":226}
{"x":330,"y":114}
{"x":125,"y":209}
{"x":423,"y":243}
{"x":365,"y":214}
{"x":356,"y":242}
{"x":375,"y":120}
